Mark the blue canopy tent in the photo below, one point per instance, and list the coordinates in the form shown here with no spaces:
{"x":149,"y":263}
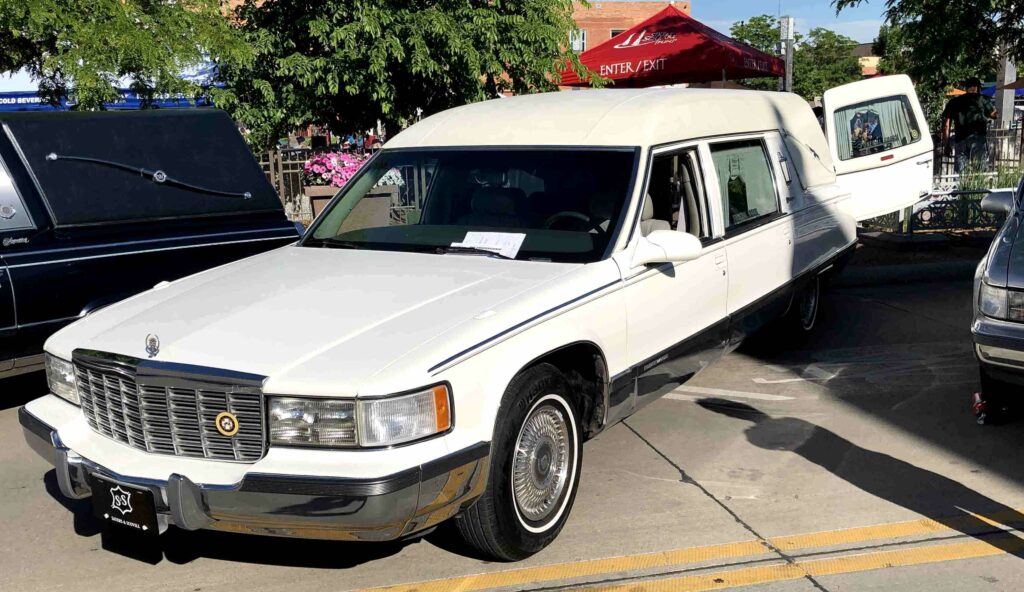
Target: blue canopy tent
{"x":989,"y":90}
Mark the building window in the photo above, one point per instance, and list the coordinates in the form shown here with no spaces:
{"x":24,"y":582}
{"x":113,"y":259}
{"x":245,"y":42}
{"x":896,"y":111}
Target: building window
{"x":578,"y":40}
{"x":617,"y":32}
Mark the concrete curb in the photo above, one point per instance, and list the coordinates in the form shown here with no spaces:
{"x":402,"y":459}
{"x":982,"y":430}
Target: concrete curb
{"x":873,"y":275}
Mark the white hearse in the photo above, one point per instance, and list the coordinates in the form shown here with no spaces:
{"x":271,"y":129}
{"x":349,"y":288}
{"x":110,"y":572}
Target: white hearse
{"x":499,"y":283}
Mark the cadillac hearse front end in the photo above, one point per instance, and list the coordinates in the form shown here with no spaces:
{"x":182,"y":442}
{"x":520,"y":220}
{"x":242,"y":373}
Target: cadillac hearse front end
{"x":159,"y":443}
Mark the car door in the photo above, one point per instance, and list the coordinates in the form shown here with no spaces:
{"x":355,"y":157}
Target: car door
{"x":676,"y":311}
{"x":758,"y":231}
{"x":878,"y":136}
{"x":15,"y":222}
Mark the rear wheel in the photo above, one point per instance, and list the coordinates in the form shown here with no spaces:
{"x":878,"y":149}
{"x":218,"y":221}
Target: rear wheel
{"x":535,"y":466}
{"x":794,"y":327}
{"x":805,"y":305}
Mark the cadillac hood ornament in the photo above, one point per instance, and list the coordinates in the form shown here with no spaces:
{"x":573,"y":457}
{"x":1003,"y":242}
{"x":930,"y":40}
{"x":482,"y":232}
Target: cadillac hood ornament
{"x":152,"y":345}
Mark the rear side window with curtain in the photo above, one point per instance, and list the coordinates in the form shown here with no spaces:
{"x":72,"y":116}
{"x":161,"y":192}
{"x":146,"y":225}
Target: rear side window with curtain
{"x":875,"y":126}
{"x":745,"y":180}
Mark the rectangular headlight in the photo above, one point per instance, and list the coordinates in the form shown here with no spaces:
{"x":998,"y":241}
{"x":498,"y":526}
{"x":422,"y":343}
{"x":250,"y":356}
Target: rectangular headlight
{"x":60,"y":374}
{"x":312,"y":422}
{"x":992,"y":301}
{"x":394,"y":420}
{"x":346,"y":423}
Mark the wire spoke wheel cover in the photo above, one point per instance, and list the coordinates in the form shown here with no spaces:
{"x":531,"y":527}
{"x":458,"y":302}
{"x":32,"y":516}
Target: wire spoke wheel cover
{"x":544,"y":463}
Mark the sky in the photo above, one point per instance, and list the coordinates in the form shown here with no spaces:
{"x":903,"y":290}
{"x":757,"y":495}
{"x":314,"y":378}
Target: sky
{"x":860,"y":23}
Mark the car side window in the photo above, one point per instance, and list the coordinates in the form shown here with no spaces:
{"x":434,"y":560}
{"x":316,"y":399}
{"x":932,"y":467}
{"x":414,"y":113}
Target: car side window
{"x":745,"y":182}
{"x":13,"y":215}
{"x":875,"y":126}
{"x":676,"y":195}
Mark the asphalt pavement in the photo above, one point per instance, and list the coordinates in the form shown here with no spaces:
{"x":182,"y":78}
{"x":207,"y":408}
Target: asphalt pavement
{"x":849,"y":462}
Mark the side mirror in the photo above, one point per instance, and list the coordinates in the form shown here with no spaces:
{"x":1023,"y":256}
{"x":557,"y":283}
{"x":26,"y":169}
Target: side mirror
{"x":998,"y":201}
{"x":667,"y":246}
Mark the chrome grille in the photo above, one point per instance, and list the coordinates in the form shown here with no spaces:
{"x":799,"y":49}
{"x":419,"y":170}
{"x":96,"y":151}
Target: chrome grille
{"x":166,"y":419}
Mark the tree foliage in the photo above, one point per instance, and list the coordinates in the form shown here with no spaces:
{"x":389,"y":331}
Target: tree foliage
{"x":762,"y":33}
{"x":85,"y":48}
{"x":939,"y":44}
{"x":348,"y":63}
{"x":823,"y":60}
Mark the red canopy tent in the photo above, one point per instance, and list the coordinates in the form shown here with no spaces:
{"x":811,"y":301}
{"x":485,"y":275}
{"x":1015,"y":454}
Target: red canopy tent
{"x":673,"y":47}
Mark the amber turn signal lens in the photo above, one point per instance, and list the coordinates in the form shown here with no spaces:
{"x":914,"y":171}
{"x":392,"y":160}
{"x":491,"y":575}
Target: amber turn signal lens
{"x":442,"y":408}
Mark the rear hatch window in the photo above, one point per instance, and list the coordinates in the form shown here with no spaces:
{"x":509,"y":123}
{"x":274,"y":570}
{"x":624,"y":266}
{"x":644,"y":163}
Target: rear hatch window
{"x":86,"y":165}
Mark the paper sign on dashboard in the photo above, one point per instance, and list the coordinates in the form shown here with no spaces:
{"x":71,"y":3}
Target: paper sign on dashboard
{"x":506,"y":244}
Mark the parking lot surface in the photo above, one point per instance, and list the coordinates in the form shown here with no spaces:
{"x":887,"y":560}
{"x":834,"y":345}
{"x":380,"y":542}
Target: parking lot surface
{"x":849,"y":462}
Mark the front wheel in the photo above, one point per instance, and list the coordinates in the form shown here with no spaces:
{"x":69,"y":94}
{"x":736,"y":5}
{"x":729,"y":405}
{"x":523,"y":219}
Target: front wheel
{"x":535,"y":466}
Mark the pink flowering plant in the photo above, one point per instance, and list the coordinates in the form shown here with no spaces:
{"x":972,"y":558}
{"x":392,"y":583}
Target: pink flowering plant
{"x":330,"y":168}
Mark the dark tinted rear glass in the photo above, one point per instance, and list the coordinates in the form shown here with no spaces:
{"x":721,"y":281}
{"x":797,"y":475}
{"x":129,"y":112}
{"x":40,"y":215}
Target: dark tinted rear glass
{"x":198,"y":147}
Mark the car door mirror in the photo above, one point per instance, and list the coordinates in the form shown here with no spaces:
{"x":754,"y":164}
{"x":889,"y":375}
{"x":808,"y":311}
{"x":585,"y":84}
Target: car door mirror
{"x":998,"y":201}
{"x":667,"y":246}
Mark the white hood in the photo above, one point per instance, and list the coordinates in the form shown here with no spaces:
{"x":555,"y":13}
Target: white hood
{"x":316,"y":321}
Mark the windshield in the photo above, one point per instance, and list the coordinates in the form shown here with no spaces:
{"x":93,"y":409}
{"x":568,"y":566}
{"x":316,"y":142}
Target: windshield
{"x":559,"y":205}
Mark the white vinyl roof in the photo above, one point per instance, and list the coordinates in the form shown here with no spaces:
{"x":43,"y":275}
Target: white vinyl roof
{"x":641,"y":117}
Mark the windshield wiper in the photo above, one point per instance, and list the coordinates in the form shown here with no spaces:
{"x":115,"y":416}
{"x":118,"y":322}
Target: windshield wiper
{"x":338,"y":243}
{"x":157,"y":176}
{"x":471,"y":251}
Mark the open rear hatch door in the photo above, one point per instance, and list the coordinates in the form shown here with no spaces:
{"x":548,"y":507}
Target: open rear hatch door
{"x":879,"y":139}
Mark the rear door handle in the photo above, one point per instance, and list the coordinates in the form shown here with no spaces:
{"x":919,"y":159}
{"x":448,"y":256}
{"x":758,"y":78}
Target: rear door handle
{"x":924,"y":162}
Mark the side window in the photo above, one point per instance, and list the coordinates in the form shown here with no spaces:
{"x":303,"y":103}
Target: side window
{"x":675,"y":196}
{"x":745,"y":181}
{"x":13,"y":215}
{"x":875,"y":126}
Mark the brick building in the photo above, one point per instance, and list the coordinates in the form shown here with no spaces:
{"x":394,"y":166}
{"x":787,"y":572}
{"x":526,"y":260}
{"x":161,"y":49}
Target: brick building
{"x":604,"y":20}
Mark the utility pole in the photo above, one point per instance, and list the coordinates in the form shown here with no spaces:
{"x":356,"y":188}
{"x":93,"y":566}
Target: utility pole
{"x":787,"y":36}
{"x":1007,"y":74}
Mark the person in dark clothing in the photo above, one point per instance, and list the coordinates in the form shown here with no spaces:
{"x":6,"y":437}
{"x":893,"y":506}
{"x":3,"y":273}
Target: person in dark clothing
{"x":968,"y":116}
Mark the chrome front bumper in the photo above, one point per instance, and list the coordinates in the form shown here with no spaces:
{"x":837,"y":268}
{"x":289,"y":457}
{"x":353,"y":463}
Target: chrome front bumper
{"x":999,"y":343}
{"x":377,"y":509}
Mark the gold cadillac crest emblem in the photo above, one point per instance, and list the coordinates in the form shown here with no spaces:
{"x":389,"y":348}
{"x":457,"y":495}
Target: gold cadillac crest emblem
{"x":226,"y":423}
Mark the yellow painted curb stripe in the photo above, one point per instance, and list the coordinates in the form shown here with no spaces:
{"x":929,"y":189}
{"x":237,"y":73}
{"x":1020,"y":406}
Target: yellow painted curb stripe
{"x":825,"y":567}
{"x":680,"y":557}
{"x":966,"y":523}
{"x":562,"y":571}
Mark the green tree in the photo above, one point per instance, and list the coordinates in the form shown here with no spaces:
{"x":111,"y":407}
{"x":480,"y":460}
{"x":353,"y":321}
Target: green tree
{"x":939,"y":44}
{"x":894,"y":49}
{"x":760,"y":32}
{"x":84,"y":48}
{"x":348,"y":63}
{"x":823,"y":60}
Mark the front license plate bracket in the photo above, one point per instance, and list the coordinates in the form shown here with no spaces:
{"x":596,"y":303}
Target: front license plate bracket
{"x":124,"y":506}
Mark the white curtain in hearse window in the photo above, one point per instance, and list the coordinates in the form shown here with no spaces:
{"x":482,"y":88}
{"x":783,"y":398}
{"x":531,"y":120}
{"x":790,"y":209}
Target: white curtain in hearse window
{"x":875,"y":126}
{"x":745,"y":181}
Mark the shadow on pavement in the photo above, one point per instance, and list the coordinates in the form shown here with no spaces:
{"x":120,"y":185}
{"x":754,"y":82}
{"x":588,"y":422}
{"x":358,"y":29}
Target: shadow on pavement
{"x":904,"y":355}
{"x":921,"y":491}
